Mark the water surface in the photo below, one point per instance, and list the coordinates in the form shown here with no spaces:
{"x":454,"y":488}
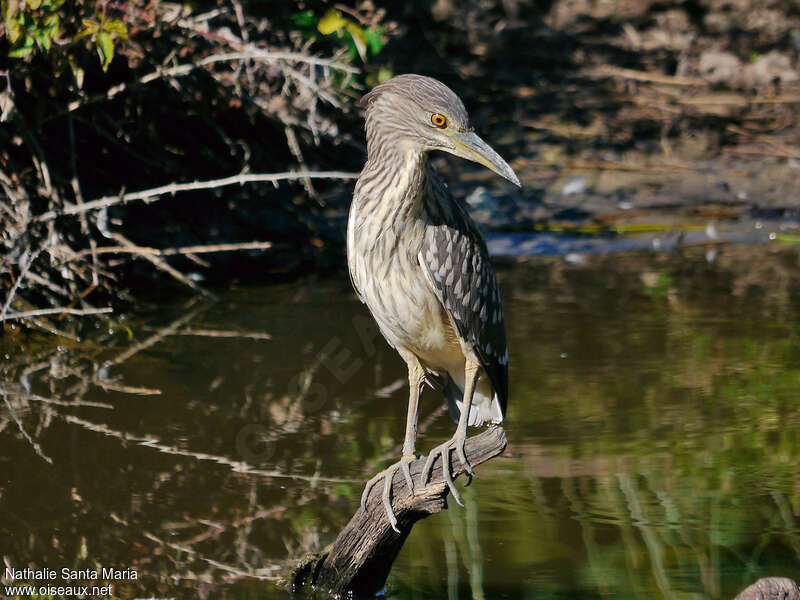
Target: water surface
{"x":653,"y":437}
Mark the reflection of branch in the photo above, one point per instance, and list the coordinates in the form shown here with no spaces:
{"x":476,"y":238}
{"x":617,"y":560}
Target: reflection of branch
{"x":154,"y":339}
{"x":37,"y":448}
{"x":174,"y":188}
{"x":153,"y":442}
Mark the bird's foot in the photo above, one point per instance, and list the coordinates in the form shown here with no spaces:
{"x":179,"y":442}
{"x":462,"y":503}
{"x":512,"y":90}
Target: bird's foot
{"x":443,"y":450}
{"x":387,"y":475}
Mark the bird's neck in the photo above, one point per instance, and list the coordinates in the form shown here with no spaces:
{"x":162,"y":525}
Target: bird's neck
{"x":394,"y":180}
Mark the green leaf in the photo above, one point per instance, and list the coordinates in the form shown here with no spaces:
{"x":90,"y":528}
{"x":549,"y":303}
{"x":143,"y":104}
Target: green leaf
{"x":22,"y":51}
{"x":117,"y":27}
{"x":105,"y":46}
{"x":374,"y":40}
{"x":50,"y":21}
{"x":305,"y":18}
{"x":44,"y":41}
{"x":359,"y":40}
{"x":33,"y":4}
{"x":13,"y":29}
{"x":89,"y":28}
{"x":331,"y":22}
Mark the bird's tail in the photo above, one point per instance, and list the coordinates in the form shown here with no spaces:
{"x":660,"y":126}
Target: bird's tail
{"x":485,"y":404}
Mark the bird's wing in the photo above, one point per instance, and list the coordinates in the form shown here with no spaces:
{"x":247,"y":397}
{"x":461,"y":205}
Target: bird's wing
{"x":456,"y":263}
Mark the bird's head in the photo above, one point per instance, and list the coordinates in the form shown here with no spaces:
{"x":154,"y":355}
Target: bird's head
{"x":425,"y":114}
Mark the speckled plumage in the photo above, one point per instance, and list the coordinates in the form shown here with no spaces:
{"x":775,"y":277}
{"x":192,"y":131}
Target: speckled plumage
{"x":418,"y":261}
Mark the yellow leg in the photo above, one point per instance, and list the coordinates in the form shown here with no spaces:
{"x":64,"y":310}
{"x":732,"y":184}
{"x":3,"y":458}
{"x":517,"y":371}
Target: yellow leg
{"x":472,"y":371}
{"x":416,"y":379}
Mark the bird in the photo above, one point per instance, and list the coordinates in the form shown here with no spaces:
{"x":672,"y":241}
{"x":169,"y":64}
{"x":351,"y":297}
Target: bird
{"x":418,"y":261}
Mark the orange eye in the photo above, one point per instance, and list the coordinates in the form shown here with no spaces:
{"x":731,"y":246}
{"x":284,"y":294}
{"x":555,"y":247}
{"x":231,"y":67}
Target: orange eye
{"x":439,"y":121}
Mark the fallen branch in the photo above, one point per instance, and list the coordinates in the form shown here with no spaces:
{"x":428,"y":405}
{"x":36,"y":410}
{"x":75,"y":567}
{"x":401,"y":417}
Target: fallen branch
{"x":174,"y":188}
{"x":359,"y":560}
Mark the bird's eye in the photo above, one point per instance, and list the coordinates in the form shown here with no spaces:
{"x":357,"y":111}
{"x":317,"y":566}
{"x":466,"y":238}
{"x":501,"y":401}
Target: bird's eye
{"x":439,"y":121}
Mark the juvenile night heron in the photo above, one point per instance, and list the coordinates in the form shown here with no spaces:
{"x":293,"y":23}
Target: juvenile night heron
{"x":418,"y":261}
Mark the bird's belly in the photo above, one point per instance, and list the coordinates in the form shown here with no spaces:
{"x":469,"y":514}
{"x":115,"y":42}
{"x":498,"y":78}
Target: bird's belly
{"x":411,"y":317}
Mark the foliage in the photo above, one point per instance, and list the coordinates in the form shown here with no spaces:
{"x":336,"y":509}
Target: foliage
{"x":55,"y":28}
{"x":173,"y":93}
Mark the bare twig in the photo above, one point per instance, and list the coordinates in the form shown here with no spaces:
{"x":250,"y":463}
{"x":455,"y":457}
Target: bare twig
{"x":180,"y":70}
{"x":172,"y":251}
{"x":20,"y":278}
{"x":160,"y":264}
{"x":254,"y":335}
{"x":174,"y":188}
{"x":56,"y":311}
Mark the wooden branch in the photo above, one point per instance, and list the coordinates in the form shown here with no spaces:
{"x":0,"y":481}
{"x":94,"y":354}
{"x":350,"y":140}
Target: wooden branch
{"x":359,"y":560}
{"x":174,"y":188}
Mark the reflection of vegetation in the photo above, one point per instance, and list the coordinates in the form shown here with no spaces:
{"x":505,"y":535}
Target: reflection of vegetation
{"x":657,"y":439}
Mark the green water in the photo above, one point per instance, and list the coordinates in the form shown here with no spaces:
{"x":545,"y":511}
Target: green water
{"x":653,"y":437}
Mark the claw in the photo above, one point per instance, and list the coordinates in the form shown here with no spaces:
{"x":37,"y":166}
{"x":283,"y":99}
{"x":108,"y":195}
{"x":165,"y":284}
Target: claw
{"x":386,"y":498}
{"x":462,"y":456}
{"x":443,"y":450}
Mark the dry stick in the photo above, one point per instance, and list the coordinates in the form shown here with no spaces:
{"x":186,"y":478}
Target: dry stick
{"x":174,"y":188}
{"x":56,"y":311}
{"x":126,"y":389}
{"x":362,"y":555}
{"x":216,"y":333}
{"x":179,"y":70}
{"x":172,"y":251}
{"x":23,"y":272}
{"x":160,"y":264}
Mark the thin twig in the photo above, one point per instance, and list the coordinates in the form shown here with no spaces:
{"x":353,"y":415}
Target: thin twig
{"x":172,"y":251}
{"x":254,"y":335}
{"x":179,"y":70}
{"x":56,"y":311}
{"x":174,"y":188}
{"x":160,"y":264}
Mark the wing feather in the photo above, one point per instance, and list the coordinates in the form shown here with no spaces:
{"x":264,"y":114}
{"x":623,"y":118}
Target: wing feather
{"x":457,"y":266}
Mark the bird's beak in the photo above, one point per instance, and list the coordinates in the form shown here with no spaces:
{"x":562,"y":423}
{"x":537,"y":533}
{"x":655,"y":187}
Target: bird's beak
{"x":472,"y":147}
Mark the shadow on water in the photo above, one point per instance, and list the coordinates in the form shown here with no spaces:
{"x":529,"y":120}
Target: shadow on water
{"x":653,"y":445}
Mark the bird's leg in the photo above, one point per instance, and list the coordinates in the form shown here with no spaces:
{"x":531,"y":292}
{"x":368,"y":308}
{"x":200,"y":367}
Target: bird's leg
{"x":416,"y":378}
{"x":458,"y":441}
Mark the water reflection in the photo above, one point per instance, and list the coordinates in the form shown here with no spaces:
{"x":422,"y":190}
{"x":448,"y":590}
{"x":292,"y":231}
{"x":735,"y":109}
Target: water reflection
{"x":652,"y":427}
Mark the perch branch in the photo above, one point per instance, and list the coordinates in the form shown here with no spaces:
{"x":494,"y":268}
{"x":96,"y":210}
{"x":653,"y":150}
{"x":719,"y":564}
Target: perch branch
{"x":362,"y":555}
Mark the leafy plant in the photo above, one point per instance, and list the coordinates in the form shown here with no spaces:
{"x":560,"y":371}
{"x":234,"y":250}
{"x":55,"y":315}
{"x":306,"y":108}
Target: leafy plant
{"x":361,"y":42}
{"x":41,"y":24}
